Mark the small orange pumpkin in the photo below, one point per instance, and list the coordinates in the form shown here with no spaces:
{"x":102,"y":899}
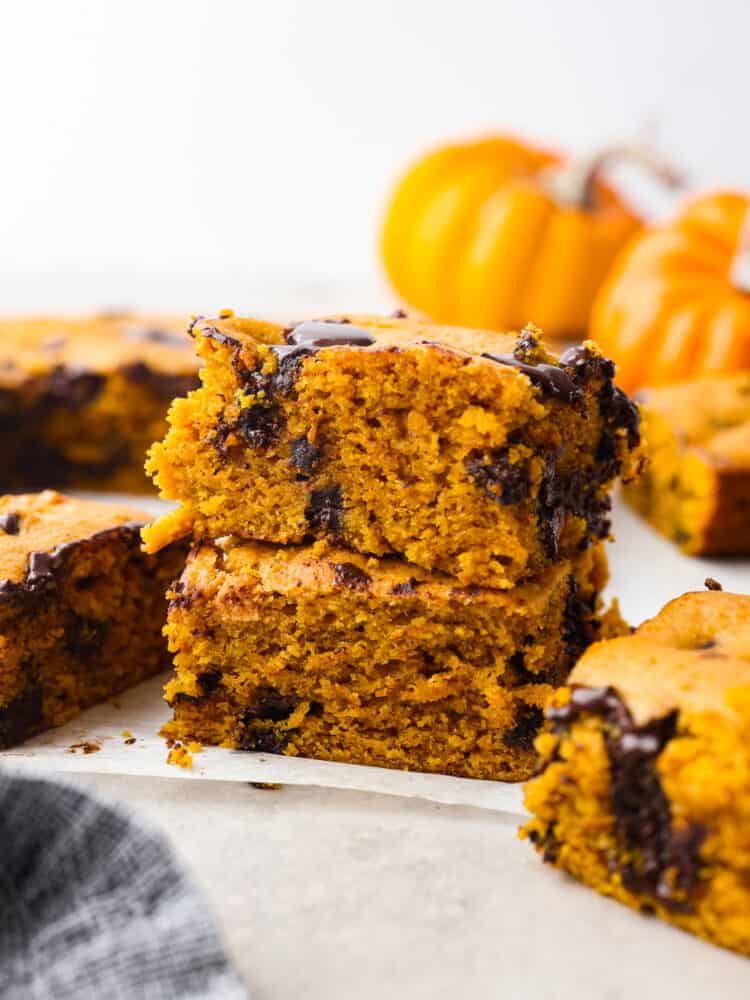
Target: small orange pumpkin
{"x":497,"y":233}
{"x":677,"y":302}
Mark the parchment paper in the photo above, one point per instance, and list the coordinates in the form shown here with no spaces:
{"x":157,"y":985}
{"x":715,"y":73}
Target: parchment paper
{"x":646,"y":572}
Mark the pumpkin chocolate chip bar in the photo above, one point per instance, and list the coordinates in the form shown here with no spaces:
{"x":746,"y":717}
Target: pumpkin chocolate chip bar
{"x":81,"y":608}
{"x":320,"y":652}
{"x":475,"y":454}
{"x":644,"y":792}
{"x":696,"y":489}
{"x":81,"y":399}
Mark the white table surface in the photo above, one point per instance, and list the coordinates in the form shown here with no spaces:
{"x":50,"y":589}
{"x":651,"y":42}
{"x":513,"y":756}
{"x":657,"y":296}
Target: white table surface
{"x":324,"y":893}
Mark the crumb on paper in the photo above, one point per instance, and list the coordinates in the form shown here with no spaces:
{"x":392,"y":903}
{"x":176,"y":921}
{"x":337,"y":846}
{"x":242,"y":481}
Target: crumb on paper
{"x":88,"y":746}
{"x":265,"y":786}
{"x":129,"y":741}
{"x":194,"y":746}
{"x":126,"y":733}
{"x":179,"y":755}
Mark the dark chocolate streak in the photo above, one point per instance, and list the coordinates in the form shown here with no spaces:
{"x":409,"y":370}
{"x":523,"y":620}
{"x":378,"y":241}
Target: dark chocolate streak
{"x":10,"y":523}
{"x":44,"y":568}
{"x":667,"y":862}
{"x":161,"y":385}
{"x":549,"y":378}
{"x":22,"y":716}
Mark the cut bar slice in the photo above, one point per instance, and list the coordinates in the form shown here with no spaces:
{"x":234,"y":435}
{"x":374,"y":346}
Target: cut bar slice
{"x":81,"y":608}
{"x":319,"y":652}
{"x":475,"y":454}
{"x":645,"y":792}
{"x":81,"y":399}
{"x":696,"y":489}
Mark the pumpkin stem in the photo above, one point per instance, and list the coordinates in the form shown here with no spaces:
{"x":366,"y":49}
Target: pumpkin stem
{"x":574,"y":183}
{"x":739,"y":273}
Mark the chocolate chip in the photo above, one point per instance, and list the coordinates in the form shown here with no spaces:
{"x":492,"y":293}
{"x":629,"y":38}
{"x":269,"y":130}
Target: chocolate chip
{"x":84,"y":637}
{"x":305,"y":456}
{"x":209,"y":681}
{"x":503,"y":481}
{"x":408,"y":587}
{"x":325,"y":510}
{"x":346,"y":574}
{"x":712,"y":584}
{"x":10,"y":523}
{"x":399,"y":314}
{"x":529,"y":719}
{"x":258,"y":425}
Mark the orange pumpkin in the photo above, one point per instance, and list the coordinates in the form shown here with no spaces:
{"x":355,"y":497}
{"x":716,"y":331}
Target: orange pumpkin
{"x":677,"y":302}
{"x":496,"y":233}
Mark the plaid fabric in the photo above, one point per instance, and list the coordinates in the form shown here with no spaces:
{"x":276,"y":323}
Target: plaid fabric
{"x":94,"y":906}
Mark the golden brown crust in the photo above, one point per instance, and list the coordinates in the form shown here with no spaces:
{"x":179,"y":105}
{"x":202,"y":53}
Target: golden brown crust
{"x":689,"y":657}
{"x":33,"y":346}
{"x":43,"y":522}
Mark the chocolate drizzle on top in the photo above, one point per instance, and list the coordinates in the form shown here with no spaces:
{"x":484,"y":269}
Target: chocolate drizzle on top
{"x":43,"y":568}
{"x":329,"y":334}
{"x":551,"y":379}
{"x":663,"y":861}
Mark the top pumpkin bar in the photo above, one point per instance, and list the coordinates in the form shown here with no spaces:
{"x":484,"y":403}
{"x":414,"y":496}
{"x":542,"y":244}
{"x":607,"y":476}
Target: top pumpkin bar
{"x":478,"y":454}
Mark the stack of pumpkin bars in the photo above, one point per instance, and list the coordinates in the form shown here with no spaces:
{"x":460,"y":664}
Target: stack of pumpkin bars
{"x":398,"y":538}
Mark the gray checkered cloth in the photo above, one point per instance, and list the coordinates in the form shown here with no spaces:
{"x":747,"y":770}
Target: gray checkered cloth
{"x":94,"y":906}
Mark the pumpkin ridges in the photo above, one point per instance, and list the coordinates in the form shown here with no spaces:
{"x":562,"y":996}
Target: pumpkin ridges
{"x":441,"y":218}
{"x":680,"y":343}
{"x":406,"y":207}
{"x":728,"y":346}
{"x":416,"y":190}
{"x":446,"y":224}
{"x":487,"y":275}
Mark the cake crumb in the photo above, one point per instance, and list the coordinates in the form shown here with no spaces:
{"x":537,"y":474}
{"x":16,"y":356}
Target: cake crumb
{"x":88,"y":746}
{"x":179,"y":755}
{"x":194,"y":746}
{"x":129,"y":741}
{"x":126,"y":733}
{"x":712,"y":584}
{"x":265,"y":786}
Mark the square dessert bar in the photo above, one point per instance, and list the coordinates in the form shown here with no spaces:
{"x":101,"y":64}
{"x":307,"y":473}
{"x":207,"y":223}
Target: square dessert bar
{"x":81,"y":399}
{"x":475,"y":454}
{"x":319,"y":652}
{"x":81,"y":608}
{"x":645,"y":788}
{"x":696,"y":490}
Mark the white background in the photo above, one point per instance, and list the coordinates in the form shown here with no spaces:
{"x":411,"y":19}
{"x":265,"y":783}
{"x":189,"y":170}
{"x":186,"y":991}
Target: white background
{"x":169,"y":152}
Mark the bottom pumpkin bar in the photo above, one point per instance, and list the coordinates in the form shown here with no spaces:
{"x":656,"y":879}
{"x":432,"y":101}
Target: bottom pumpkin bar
{"x":81,"y":608}
{"x":644,"y":792}
{"x":318,"y":652}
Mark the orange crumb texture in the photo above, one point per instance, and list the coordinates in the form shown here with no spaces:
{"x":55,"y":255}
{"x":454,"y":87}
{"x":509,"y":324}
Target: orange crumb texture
{"x":412,"y":442}
{"x":320,"y":652}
